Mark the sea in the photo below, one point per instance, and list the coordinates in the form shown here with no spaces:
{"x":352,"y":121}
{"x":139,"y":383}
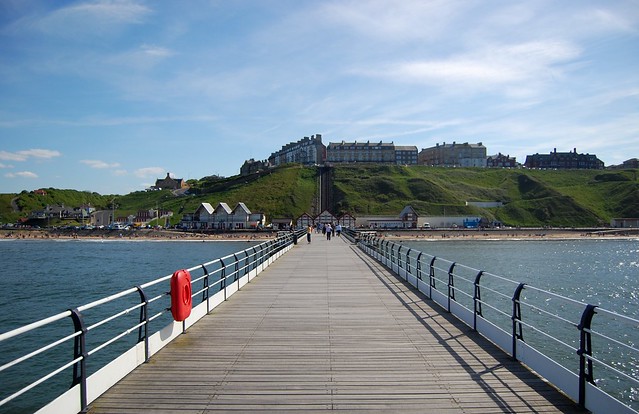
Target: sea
{"x":41,"y":278}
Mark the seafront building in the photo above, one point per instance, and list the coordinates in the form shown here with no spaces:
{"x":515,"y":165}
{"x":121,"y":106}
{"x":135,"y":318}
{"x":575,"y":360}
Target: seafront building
{"x":311,"y":151}
{"x":169,"y":183}
{"x":454,"y":155}
{"x":406,"y":155}
{"x":367,"y":152}
{"x":564,"y":160}
{"x":501,"y":161}
{"x":252,"y":166}
{"x":346,"y":220}
{"x":307,"y":151}
{"x":222,"y":217}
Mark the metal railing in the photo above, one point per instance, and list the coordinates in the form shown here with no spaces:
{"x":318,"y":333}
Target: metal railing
{"x":121,"y":323}
{"x":588,"y":352}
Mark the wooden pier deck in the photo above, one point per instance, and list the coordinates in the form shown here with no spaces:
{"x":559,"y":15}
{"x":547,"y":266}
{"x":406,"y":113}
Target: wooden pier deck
{"x":328,"y":328}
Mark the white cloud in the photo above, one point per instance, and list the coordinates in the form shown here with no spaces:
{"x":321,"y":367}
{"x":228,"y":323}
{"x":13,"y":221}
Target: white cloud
{"x":11,"y":156}
{"x":26,"y":154}
{"x":99,"y":164}
{"x":141,"y":58}
{"x":91,"y":18}
{"x":150,"y":172}
{"x":394,"y":21}
{"x":5,"y":165}
{"x":156,"y":51}
{"x":21,"y":174}
{"x":40,"y":153}
{"x":519,"y":67}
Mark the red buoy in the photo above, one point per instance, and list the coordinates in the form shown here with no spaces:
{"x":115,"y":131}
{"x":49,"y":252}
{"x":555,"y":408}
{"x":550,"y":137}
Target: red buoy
{"x":181,"y":295}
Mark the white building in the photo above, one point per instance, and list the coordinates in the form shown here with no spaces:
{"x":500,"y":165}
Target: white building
{"x":223,"y":218}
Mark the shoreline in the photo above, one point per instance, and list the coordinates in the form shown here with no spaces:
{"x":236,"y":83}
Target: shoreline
{"x":510,"y":234}
{"x":129,"y":235}
{"x":416,"y":235}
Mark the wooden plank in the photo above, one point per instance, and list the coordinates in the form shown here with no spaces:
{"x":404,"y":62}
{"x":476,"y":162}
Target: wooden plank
{"x":326,"y":327}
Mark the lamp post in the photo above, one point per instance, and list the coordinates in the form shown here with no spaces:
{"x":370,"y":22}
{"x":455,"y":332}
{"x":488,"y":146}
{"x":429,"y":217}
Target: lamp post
{"x":113,"y":210}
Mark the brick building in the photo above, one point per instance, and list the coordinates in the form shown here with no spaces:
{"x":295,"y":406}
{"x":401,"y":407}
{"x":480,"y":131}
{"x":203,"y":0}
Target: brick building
{"x":454,"y":155}
{"x":564,"y":160}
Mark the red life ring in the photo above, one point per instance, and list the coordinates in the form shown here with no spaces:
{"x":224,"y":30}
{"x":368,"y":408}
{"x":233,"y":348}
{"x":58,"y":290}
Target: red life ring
{"x":181,"y":295}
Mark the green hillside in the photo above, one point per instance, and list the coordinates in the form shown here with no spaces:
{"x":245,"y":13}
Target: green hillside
{"x":283,"y":192}
{"x":530,"y":197}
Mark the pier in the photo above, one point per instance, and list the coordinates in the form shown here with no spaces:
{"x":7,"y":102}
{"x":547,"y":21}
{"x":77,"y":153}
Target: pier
{"x":326,"y":327}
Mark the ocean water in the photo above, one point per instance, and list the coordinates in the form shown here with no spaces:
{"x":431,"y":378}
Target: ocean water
{"x":41,"y":278}
{"x":595,"y":271}
{"x":44,"y":277}
{"x":603,"y":273}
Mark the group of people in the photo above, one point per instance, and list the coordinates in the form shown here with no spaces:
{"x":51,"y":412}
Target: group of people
{"x":327,"y":229}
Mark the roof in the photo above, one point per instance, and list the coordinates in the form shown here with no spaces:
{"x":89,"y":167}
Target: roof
{"x":224,"y":207}
{"x":406,"y":210}
{"x":361,"y":144}
{"x":242,"y":206}
{"x":206,"y":206}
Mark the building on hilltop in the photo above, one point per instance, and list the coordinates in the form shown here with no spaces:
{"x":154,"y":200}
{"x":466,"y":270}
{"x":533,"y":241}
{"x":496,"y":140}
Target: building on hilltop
{"x":501,"y":161}
{"x":352,"y":152}
{"x":628,"y":164}
{"x":406,"y":155}
{"x":169,"y":183}
{"x":251,"y":166}
{"x":564,"y":160}
{"x":454,"y":155}
{"x":307,"y":151}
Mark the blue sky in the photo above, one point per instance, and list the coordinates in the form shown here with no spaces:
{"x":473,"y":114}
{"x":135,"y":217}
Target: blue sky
{"x":107,"y":96}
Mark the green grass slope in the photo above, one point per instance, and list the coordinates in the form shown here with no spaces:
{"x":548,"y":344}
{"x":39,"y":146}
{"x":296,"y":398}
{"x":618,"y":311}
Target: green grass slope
{"x":530,"y":197}
{"x":288,"y":191}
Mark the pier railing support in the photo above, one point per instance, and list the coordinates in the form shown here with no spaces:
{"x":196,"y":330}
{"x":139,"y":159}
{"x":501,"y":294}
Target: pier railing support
{"x":451,"y":284}
{"x":477,"y":300}
{"x":143,"y":331}
{"x":205,"y":290}
{"x":584,"y":352}
{"x":80,"y":355}
{"x":516,"y":318}
{"x":431,"y":277}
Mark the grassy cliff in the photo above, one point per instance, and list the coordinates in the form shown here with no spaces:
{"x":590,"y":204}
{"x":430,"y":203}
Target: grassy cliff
{"x":530,"y":197}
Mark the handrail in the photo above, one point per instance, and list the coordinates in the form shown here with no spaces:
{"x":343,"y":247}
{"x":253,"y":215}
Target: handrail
{"x":91,"y":338}
{"x":492,"y":305}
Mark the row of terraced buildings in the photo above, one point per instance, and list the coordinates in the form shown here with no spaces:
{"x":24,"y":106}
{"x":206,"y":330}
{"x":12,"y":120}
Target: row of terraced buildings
{"x":311,"y":151}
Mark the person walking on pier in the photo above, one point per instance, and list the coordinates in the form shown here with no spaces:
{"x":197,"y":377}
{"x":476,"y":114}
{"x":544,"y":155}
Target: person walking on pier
{"x":329,"y":231}
{"x":309,"y":230}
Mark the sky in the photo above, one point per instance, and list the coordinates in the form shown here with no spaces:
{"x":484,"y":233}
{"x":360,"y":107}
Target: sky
{"x":109,"y":95}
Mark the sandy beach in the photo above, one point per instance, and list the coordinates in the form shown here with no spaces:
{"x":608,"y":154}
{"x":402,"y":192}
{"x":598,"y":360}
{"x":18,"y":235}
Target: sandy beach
{"x":433,"y":234}
{"x":138,"y":234}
